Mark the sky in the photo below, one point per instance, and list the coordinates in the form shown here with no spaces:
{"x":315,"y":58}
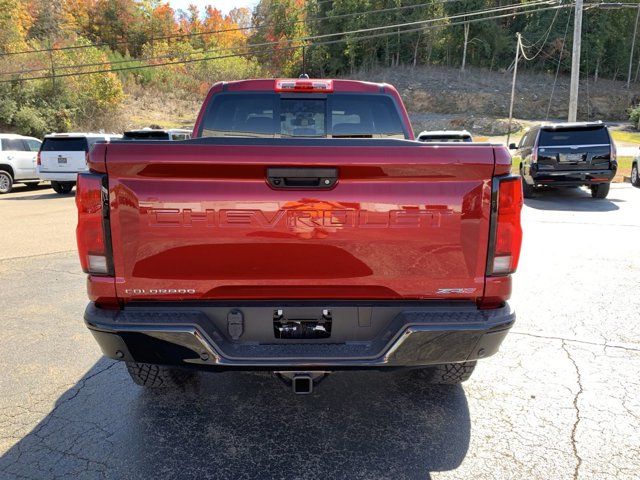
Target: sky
{"x":223,"y":5}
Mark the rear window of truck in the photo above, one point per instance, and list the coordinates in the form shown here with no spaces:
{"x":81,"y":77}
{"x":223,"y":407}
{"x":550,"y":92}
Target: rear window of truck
{"x":597,"y":135}
{"x":65,"y":144}
{"x":296,"y":115}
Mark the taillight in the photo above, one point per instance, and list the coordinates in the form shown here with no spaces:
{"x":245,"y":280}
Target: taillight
{"x":304,"y":85}
{"x":93,"y":245}
{"x":614,"y":151}
{"x":38,"y":159}
{"x":506,"y":238}
{"x":534,"y":152}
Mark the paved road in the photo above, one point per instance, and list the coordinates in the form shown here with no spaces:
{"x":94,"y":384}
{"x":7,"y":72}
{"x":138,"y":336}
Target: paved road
{"x":35,"y":222}
{"x":559,"y":401}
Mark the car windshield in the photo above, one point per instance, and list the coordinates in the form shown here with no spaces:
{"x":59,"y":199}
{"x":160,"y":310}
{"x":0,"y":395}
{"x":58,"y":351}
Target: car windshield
{"x":274,"y":115}
{"x":597,"y":135}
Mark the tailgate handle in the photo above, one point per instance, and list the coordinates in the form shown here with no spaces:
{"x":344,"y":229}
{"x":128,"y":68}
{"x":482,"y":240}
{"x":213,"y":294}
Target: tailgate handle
{"x":317,"y":178}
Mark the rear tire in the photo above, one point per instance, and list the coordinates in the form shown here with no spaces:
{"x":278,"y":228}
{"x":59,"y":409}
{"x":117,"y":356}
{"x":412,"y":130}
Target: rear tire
{"x":600,"y":191}
{"x":62,"y":187}
{"x":6,"y":182}
{"x":158,"y":376}
{"x":635,"y":175}
{"x":528,"y":191}
{"x":446,"y":374}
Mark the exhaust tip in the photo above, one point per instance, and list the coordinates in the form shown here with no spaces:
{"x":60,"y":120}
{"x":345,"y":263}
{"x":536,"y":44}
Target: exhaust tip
{"x":302,"y":384}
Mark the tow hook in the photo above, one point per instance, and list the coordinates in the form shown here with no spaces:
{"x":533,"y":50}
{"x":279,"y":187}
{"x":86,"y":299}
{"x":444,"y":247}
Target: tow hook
{"x":302,"y":383}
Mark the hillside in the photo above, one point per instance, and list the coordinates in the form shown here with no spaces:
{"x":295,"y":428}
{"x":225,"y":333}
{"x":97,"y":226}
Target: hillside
{"x":109,"y":63}
{"x":440,"y":97}
{"x":436,"y":97}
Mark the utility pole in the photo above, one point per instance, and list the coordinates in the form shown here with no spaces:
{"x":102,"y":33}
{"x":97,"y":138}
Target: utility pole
{"x":575,"y":63}
{"x":633,"y":47}
{"x":513,"y":85}
{"x":304,"y":61}
{"x":53,"y":69}
{"x":464,"y":51}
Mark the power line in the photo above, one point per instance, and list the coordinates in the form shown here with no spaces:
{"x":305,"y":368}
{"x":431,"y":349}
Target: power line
{"x":227,"y":30}
{"x":19,"y":72}
{"x":235,"y":29}
{"x":555,"y":80}
{"x":290,"y":47}
{"x":308,"y":38}
{"x":544,"y":37}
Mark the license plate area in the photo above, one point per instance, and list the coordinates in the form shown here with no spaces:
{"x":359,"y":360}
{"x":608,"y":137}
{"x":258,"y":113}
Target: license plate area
{"x":62,"y":160}
{"x":289,"y":326}
{"x":572,"y":158}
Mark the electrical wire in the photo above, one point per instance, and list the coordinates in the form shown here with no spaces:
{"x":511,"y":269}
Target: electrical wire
{"x":555,"y":80}
{"x":545,"y":35}
{"x":227,"y":30}
{"x":290,"y":47}
{"x":307,"y":38}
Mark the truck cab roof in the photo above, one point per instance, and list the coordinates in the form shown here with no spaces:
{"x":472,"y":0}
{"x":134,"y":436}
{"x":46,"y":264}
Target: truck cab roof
{"x":572,"y":125}
{"x":15,"y":135}
{"x":338,"y":85}
{"x":312,"y":108}
{"x":82,"y":134}
{"x":445,"y":135}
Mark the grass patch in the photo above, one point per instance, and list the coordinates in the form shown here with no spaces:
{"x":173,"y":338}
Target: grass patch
{"x":624,"y":165}
{"x":623,"y":136}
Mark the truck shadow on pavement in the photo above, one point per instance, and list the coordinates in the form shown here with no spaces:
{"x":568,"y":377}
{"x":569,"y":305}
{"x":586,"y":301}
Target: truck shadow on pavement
{"x":38,"y":195}
{"x":242,"y":425}
{"x":22,"y":188}
{"x":571,"y":199}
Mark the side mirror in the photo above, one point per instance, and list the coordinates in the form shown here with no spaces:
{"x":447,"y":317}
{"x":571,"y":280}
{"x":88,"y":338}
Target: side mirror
{"x":513,"y":146}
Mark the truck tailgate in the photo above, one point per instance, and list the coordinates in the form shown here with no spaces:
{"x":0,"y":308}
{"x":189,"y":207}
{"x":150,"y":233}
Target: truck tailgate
{"x":198,"y":220}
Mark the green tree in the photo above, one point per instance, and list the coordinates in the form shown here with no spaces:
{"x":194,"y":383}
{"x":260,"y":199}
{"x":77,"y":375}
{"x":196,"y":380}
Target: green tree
{"x":277,"y":22}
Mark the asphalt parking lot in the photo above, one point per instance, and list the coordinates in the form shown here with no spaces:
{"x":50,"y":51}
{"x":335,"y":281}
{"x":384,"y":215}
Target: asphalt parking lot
{"x":561,"y":399}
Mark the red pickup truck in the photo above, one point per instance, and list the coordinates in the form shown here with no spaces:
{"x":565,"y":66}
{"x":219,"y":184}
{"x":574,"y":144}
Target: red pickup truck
{"x":301,"y":231}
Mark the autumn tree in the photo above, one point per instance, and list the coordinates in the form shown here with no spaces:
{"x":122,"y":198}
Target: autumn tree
{"x":15,"y":22}
{"x":279,"y":23}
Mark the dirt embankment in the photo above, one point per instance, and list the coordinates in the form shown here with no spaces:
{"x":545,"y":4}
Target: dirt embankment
{"x":441,"y":97}
{"x":436,"y":98}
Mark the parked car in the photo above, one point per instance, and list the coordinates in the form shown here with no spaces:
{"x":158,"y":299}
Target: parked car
{"x":63,"y":155}
{"x":445,"y":136}
{"x":174,"y":134}
{"x":567,"y":155}
{"x":302,"y":231}
{"x":17,"y":160}
{"x":635,"y":173}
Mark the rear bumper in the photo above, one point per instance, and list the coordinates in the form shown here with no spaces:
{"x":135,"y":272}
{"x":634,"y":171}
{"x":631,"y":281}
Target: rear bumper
{"x":416,"y":336}
{"x":57,"y":176}
{"x":571,"y":177}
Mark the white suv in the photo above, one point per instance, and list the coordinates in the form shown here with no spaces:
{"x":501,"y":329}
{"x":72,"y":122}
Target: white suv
{"x":17,"y":160}
{"x":64,"y":155}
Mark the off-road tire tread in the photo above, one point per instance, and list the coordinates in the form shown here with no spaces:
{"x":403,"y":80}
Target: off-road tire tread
{"x":447,"y":373}
{"x":601,"y":190}
{"x":61,"y":188}
{"x":158,"y":376}
{"x":637,"y":182}
{"x":528,"y":191}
